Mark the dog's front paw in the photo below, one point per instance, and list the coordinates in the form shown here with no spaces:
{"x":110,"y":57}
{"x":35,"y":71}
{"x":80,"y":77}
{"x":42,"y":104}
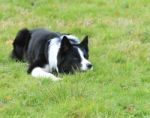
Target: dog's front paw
{"x":56,"y":79}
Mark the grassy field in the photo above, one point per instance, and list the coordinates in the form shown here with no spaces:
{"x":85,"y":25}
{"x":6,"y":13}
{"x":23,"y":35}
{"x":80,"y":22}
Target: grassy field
{"x":119,"y":36}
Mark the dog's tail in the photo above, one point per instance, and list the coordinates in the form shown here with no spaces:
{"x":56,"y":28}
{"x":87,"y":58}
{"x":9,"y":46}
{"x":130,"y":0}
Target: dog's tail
{"x":20,"y":44}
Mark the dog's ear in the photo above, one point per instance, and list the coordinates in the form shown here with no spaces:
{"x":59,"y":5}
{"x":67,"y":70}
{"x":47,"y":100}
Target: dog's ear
{"x":84,"y":43}
{"x":65,"y":44}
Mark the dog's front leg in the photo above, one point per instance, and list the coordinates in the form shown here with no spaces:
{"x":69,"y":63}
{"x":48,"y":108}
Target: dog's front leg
{"x":39,"y":72}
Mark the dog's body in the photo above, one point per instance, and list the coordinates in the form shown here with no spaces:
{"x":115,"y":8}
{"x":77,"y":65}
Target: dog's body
{"x":48,"y":52}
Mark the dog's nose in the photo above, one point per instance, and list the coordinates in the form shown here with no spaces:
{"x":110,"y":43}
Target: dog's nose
{"x":89,"y":66}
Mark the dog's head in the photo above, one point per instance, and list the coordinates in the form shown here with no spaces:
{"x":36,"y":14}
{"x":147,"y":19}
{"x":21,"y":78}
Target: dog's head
{"x":73,"y":56}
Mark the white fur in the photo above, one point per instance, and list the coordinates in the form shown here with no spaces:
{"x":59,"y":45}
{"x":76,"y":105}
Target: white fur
{"x":84,"y":61}
{"x":39,"y":72}
{"x":46,"y":68}
{"x":52,"y":54}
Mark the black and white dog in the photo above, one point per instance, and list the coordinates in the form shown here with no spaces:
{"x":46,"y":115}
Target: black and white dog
{"x":48,"y":52}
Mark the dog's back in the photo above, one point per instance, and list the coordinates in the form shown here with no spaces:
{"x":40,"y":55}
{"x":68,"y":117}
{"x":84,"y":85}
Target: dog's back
{"x":24,"y":36}
{"x":38,"y":45}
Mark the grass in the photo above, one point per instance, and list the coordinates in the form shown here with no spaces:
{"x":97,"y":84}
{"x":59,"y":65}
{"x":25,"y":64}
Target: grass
{"x":119,"y":85}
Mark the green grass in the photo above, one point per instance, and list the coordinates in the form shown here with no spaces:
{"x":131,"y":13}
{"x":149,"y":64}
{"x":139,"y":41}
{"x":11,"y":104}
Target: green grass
{"x":119,"y":85}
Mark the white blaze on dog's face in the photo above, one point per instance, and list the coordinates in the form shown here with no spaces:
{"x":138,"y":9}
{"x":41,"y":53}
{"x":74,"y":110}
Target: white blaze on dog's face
{"x":85,"y":64}
{"x":73,"y":56}
{"x":83,"y":52}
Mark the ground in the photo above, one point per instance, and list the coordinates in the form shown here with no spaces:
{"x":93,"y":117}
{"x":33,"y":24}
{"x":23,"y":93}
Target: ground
{"x":119,"y":37}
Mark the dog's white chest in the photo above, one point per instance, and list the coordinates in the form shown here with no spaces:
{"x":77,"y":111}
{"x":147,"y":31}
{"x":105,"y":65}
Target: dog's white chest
{"x":52,"y":54}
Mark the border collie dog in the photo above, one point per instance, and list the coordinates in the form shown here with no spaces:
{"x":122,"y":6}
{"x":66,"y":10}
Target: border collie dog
{"x":48,"y":52}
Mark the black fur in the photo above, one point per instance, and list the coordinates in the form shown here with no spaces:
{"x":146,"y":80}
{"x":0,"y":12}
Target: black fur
{"x":32,"y":46}
{"x":20,"y":44}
